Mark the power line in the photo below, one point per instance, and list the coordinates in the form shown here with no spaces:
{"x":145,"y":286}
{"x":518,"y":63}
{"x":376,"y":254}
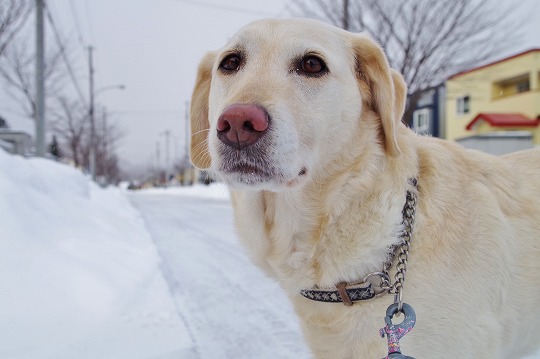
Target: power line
{"x":77,"y":22}
{"x":64,"y":56}
{"x":226,"y":8}
{"x":40,"y":80}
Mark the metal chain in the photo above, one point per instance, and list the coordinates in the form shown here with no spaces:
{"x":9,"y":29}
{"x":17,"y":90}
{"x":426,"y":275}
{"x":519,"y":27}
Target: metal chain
{"x":409,"y":211}
{"x":384,"y":285}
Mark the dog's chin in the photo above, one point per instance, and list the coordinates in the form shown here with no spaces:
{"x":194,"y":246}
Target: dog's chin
{"x":254,"y":179}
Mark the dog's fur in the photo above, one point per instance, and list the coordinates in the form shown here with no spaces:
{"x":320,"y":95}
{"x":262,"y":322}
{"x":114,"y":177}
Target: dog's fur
{"x":324,"y":202}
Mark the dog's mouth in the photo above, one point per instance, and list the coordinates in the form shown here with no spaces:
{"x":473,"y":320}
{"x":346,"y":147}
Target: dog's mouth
{"x":298,"y":179}
{"x":249,"y":174}
{"x":258,"y":175}
{"x":250,"y":170}
{"x":259,"y":166}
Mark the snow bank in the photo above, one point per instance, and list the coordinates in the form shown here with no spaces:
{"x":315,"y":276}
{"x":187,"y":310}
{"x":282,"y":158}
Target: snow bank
{"x":79,"y":274}
{"x":215,"y":190}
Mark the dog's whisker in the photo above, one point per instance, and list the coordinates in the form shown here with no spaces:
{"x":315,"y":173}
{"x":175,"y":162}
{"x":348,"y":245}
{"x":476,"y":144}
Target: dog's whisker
{"x":193,"y":134}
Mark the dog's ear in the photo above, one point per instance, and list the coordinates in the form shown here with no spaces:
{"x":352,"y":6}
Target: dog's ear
{"x":386,"y":89}
{"x":400,"y":94}
{"x":199,"y":154}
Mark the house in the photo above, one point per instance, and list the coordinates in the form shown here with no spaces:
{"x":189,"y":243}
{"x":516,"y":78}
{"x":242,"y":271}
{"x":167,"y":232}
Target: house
{"x":496,"y":107}
{"x":15,"y":142}
{"x":429,"y":115}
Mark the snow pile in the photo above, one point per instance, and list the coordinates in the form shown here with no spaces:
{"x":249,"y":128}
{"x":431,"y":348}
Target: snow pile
{"x":213,"y":191}
{"x":79,"y":274}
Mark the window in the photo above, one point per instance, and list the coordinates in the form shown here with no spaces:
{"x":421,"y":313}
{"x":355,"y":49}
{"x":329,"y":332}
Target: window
{"x":511,"y":86}
{"x":421,"y":119}
{"x":522,"y":86}
{"x":463,"y":105}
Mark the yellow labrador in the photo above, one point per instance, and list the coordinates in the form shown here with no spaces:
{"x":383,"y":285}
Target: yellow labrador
{"x":302,"y":121}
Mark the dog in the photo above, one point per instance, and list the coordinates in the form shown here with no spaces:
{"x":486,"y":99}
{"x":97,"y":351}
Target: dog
{"x":302,"y":121}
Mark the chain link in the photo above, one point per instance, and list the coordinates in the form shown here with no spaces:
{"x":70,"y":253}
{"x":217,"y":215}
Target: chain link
{"x":409,"y":211}
{"x":399,"y":251}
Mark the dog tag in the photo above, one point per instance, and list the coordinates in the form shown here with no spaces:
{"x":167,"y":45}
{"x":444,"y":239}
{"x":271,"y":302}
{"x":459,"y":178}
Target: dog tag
{"x":395,"y":332}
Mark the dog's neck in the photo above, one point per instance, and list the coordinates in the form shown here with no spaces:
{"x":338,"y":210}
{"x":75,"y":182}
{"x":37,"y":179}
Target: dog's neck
{"x":298,"y":234}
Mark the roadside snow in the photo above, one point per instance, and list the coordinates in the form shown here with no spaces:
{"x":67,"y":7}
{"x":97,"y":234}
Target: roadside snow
{"x":216,"y":191}
{"x":79,"y":274}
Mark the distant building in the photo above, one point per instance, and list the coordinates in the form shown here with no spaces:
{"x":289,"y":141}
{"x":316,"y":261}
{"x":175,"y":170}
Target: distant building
{"x":429,"y":114}
{"x":15,"y":142}
{"x":496,"y":107}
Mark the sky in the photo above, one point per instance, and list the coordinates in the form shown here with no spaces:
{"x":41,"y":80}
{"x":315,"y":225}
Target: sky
{"x":153,"y":47}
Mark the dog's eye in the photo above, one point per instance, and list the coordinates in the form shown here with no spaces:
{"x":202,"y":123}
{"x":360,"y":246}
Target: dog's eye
{"x":230,"y":63}
{"x":312,"y":66}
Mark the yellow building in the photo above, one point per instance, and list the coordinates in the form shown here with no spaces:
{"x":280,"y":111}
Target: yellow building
{"x":500,"y":99}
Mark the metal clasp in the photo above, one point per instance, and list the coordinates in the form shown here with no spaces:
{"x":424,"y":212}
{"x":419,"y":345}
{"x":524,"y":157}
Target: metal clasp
{"x":395,"y":332}
{"x":380,"y":288}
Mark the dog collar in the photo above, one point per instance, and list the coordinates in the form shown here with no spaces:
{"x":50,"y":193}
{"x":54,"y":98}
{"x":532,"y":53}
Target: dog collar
{"x":367,"y":288}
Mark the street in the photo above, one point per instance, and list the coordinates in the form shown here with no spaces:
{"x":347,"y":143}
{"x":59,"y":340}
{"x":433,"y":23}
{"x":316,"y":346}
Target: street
{"x":228,"y":306}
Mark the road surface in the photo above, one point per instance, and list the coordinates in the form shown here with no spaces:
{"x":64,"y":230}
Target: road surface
{"x":230,"y":309}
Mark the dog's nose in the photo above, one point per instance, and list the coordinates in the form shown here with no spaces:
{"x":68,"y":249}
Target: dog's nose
{"x":241,"y":125}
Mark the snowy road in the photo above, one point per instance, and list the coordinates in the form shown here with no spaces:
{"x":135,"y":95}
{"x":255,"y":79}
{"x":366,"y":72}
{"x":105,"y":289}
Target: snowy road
{"x":230,"y":309}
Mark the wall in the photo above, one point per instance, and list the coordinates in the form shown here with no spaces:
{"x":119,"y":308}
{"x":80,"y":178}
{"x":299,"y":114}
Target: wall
{"x":479,"y":85}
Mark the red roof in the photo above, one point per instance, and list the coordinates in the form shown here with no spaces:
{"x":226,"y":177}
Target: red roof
{"x":494,"y":63}
{"x":504,"y":120}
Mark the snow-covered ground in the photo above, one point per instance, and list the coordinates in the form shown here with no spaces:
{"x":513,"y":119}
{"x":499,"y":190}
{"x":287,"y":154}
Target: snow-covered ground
{"x":230,"y":308}
{"x":93,"y":273}
{"x":79,"y":273}
{"x":83,"y":274}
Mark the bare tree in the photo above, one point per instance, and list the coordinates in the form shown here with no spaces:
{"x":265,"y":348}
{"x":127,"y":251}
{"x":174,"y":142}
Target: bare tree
{"x":107,"y":136}
{"x":13,"y":16}
{"x":71,"y":124}
{"x":69,"y":118}
{"x":17,"y":68}
{"x":425,"y":40}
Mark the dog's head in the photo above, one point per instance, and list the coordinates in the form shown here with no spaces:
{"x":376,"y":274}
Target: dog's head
{"x":285,"y":98}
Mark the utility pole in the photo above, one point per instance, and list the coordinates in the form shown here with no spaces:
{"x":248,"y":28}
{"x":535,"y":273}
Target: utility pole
{"x":167,"y":134}
{"x":158,"y":164}
{"x":105,"y":141}
{"x":345,"y":19}
{"x":175,"y":159}
{"x":40,"y":81}
{"x":91,"y":116}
